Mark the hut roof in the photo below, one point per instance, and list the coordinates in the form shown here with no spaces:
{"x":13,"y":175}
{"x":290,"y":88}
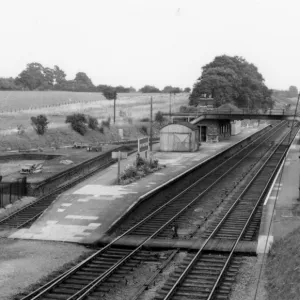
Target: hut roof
{"x":186,"y":124}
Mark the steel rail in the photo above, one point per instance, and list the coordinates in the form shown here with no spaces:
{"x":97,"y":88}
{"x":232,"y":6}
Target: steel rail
{"x":53,"y":193}
{"x":200,"y":251}
{"x":47,"y":287}
{"x":89,"y":288}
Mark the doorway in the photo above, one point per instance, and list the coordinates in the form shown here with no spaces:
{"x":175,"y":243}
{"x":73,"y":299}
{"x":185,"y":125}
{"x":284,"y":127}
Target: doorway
{"x":203,"y":132}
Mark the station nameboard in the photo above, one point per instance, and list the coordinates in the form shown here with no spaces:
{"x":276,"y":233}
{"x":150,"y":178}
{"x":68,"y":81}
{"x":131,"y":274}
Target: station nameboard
{"x":123,"y":155}
{"x":143,"y":144}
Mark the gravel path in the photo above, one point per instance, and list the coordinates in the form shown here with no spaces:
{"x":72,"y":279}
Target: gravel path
{"x":23,"y":263}
{"x":247,"y":280}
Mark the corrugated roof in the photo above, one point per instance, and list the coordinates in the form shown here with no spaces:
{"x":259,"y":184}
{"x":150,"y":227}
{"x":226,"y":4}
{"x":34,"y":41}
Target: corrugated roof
{"x":186,"y":124}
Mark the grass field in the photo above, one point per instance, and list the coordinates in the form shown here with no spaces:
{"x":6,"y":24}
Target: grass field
{"x":18,"y":100}
{"x":16,"y":108}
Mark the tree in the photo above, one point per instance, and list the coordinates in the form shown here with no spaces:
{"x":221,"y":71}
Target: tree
{"x":159,"y":118}
{"x":187,"y":90}
{"x":149,"y":89}
{"x":40,"y":124}
{"x":8,"y":84}
{"x":293,"y":91}
{"x":59,"y":78}
{"x":232,"y":80}
{"x":110,"y":93}
{"x":171,"y":90}
{"x":83,"y":83}
{"x":32,"y":77}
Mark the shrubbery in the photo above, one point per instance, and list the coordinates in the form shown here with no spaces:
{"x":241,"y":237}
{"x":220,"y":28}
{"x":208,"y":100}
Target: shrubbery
{"x":144,"y":130}
{"x":93,"y":123}
{"x":106,"y":123}
{"x":40,"y":124}
{"x":81,"y":122}
{"x":140,"y":169}
{"x":159,"y":118}
{"x":187,"y":109}
{"x":78,"y":123}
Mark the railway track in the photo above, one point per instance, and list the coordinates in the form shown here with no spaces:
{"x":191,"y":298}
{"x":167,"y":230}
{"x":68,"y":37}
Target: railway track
{"x":25,"y":216}
{"x":70,"y":286}
{"x":202,"y":186}
{"x":210,"y":276}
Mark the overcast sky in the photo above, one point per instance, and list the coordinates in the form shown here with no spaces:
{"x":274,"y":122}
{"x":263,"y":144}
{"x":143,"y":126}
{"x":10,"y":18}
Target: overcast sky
{"x":138,"y":42}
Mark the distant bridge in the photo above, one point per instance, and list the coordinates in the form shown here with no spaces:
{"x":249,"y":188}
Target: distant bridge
{"x":273,"y":114}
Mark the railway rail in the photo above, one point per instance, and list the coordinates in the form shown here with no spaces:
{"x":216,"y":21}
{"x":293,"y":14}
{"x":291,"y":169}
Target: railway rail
{"x":70,"y":285}
{"x":26,"y":215}
{"x":209,"y":276}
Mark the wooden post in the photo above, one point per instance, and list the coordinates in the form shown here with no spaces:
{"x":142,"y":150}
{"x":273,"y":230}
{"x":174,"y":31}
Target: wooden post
{"x":119,"y":166}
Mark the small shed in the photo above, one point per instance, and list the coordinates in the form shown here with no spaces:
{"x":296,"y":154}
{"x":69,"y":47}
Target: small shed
{"x":181,"y":137}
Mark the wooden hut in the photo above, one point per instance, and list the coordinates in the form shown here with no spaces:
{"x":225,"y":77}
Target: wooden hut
{"x":181,"y":137}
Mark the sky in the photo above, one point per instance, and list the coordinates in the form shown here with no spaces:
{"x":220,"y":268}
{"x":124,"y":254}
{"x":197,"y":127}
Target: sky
{"x":139,"y":42}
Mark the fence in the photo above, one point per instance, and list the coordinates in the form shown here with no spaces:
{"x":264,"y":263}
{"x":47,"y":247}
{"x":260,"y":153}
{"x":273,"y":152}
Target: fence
{"x":12,"y":191}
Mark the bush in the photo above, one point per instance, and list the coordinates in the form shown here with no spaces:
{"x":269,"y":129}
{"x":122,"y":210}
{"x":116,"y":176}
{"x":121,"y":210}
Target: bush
{"x":40,"y":124}
{"x":144,"y":130}
{"x":106,"y":123}
{"x":79,"y":127}
{"x":78,"y":123}
{"x":129,"y":172}
{"x":101,"y":129}
{"x":159,"y":118}
{"x":76,"y":118}
{"x":93,"y":123}
{"x":145,"y":120}
{"x":187,"y":109}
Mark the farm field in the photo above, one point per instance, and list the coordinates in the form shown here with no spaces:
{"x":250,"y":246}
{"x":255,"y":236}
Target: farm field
{"x":30,"y":100}
{"x":56,"y":105}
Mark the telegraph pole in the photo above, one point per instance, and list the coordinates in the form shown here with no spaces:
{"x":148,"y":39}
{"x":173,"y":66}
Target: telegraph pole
{"x":115,"y":98}
{"x":151,"y":121}
{"x":170,"y":107}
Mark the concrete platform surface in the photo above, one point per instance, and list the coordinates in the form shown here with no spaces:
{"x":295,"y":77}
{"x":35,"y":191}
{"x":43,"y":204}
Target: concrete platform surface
{"x":281,"y":211}
{"x":85,"y":212}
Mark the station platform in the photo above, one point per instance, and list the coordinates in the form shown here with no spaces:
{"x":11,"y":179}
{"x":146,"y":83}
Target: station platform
{"x":85,"y":212}
{"x":281,"y":210}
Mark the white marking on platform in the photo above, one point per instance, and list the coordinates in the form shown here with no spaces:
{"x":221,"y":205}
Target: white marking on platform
{"x":78,"y":217}
{"x":94,"y":225}
{"x":272,"y":197}
{"x":51,"y":222}
{"x":277,"y":188}
{"x":114,"y":190}
{"x":83,"y":200}
{"x":160,"y":174}
{"x":60,"y":210}
{"x":66,"y":204}
{"x":264,"y":244}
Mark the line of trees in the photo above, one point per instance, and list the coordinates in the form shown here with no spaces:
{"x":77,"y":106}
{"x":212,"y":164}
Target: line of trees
{"x":37,"y":77}
{"x":290,"y":93}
